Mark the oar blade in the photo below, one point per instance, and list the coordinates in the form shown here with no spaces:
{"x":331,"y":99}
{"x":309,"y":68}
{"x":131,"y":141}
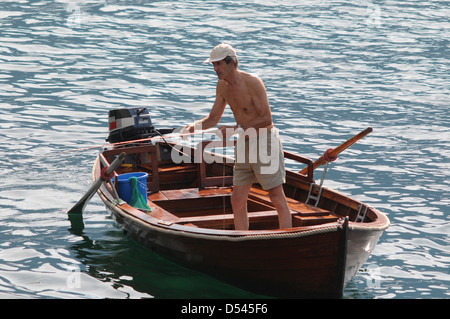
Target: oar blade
{"x":81,"y":204}
{"x":76,"y":223}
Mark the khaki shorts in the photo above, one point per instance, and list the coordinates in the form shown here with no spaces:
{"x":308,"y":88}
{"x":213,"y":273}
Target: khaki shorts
{"x":259,"y":159}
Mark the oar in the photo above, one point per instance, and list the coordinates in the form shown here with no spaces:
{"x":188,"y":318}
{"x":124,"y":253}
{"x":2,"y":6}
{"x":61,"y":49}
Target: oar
{"x":331,"y":154}
{"x":79,"y":207}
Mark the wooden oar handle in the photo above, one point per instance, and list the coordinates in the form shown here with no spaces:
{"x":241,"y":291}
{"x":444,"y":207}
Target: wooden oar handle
{"x":79,"y":206}
{"x":333,"y":153}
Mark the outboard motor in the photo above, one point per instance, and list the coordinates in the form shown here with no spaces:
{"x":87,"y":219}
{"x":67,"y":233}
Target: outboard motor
{"x":130,"y":124}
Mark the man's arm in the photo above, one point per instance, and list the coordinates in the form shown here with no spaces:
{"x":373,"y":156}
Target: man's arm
{"x":214,"y":115}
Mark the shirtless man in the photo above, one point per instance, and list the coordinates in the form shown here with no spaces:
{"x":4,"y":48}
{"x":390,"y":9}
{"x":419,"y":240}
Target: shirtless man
{"x":247,"y":98}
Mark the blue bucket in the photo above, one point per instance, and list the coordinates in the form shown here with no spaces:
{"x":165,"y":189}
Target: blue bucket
{"x":124,"y":185}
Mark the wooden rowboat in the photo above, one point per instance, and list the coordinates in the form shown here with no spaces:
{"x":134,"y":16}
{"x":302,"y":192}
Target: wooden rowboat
{"x":191,"y":222}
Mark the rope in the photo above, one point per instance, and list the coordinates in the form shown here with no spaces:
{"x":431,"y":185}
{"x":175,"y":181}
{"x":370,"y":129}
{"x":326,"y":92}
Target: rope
{"x":104,"y":174}
{"x":223,"y":197}
{"x":327,"y":156}
{"x":261,"y":236}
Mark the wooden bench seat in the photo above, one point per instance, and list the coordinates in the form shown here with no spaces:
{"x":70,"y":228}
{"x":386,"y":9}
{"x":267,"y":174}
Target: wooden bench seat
{"x":227,"y":219}
{"x":251,"y":215}
{"x":269,"y":216}
{"x":187,"y":193}
{"x":256,"y":194}
{"x":299,"y":207}
{"x":162,"y":214}
{"x":170,"y":168}
{"x":172,"y":196}
{"x":302,"y":214}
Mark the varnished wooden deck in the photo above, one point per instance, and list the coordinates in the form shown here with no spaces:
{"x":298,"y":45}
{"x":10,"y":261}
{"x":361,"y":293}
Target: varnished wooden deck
{"x":210,"y":208}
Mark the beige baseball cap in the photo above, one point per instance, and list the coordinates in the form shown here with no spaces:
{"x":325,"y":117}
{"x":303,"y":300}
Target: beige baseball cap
{"x":220,"y":52}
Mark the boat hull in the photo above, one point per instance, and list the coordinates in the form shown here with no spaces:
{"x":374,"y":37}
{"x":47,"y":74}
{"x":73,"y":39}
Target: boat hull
{"x":306,"y":261}
{"x":310,"y":264}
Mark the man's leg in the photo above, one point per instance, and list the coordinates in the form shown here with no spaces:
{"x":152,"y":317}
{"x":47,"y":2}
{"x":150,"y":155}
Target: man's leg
{"x":279,"y":201}
{"x":239,"y":204}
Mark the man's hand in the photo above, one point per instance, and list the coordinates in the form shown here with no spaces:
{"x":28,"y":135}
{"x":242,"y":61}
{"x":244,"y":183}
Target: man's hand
{"x":187,"y":129}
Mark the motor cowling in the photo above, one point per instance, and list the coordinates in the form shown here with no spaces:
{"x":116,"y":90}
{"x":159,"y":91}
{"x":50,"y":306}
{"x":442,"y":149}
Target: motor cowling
{"x":129,"y":124}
